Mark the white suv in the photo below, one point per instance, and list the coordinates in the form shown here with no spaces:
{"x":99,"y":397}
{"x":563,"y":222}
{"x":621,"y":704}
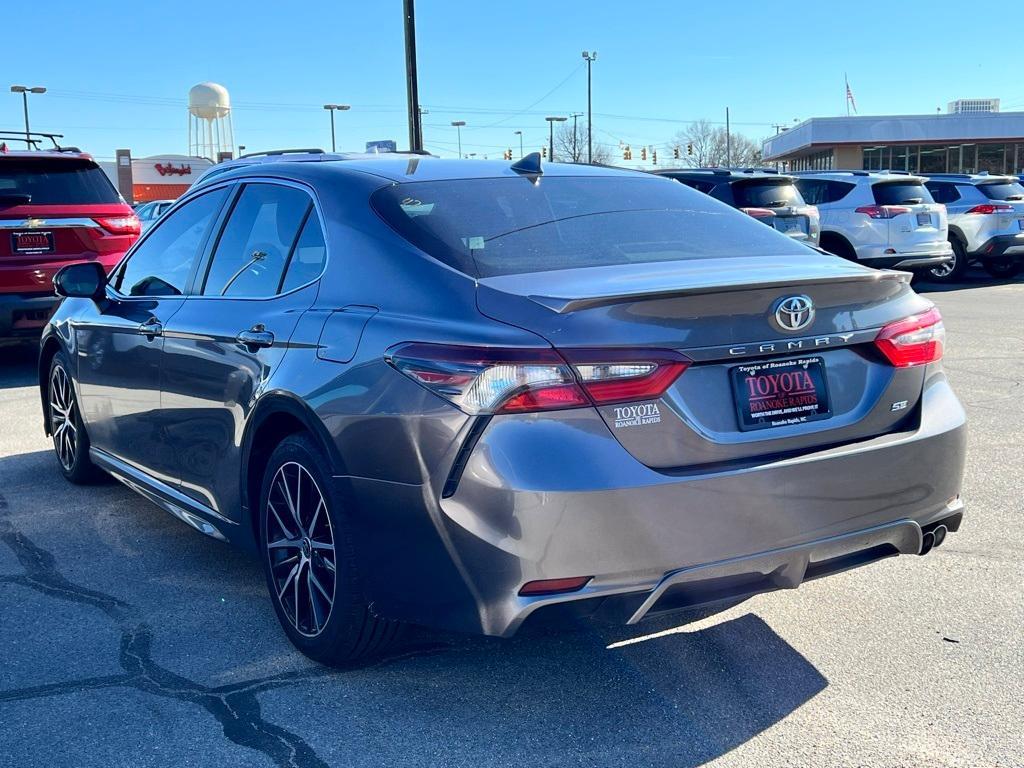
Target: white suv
{"x":882,"y":219}
{"x":986,"y":222}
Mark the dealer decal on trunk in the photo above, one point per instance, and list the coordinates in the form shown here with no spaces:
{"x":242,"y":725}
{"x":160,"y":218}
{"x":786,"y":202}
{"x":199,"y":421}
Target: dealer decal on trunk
{"x":637,"y":415}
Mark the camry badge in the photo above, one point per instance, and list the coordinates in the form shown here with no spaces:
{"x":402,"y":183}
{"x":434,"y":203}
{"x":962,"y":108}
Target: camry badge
{"x":794,"y":313}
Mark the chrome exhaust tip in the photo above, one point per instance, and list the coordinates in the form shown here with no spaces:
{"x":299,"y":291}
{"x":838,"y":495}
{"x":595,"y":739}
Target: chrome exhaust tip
{"x":939,"y":535}
{"x":927,"y":542}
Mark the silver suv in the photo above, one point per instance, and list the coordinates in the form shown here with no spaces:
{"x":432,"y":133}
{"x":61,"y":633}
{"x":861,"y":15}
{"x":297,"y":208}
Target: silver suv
{"x":882,"y":219}
{"x":986,"y":223}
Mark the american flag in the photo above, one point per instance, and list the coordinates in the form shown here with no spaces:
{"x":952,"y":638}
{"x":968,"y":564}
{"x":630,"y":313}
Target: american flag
{"x":849,"y":95}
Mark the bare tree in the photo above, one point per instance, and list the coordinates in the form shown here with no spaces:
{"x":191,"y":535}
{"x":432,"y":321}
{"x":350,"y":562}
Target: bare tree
{"x":710,"y":145}
{"x":571,"y":145}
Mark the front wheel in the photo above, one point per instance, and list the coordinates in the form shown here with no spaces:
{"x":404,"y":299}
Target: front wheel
{"x":1003,"y":268}
{"x":70,"y":441}
{"x":309,"y":563}
{"x":954,"y":269}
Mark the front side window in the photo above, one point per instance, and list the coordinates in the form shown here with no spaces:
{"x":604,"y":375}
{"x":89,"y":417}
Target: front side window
{"x":943,"y":193}
{"x":163,"y":262}
{"x":257,"y":241}
{"x":504,"y":226}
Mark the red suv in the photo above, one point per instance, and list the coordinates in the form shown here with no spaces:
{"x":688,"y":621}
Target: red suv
{"x":56,"y":207}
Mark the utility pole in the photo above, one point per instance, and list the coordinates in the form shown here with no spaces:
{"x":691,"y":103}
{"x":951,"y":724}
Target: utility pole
{"x":575,"y":147}
{"x":411,"y":80}
{"x":591,"y":57}
{"x":728,"y":141}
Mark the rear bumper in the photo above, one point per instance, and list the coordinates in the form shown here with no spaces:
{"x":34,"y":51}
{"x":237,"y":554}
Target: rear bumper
{"x":543,"y":498}
{"x":23,"y":315}
{"x":1000,"y":246}
{"x":908,"y":260}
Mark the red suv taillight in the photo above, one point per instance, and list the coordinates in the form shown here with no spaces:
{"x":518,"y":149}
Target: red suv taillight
{"x":120,"y":225}
{"x":989,"y":208}
{"x":883,"y":211}
{"x":915,"y":340}
{"x":488,"y":380}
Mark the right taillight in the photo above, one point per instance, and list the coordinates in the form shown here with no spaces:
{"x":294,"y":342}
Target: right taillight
{"x":759,"y":213}
{"x":990,"y":208}
{"x":915,"y":340}
{"x":490,"y":380}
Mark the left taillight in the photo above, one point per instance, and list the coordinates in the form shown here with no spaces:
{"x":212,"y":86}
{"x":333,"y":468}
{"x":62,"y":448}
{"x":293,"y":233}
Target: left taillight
{"x":915,"y":340}
{"x":488,"y":380}
{"x":120,"y":225}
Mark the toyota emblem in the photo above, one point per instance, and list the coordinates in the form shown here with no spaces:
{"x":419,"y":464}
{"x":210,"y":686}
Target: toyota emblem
{"x":794,"y":313}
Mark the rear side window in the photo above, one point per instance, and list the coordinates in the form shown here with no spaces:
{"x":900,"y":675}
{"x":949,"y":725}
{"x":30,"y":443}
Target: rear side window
{"x":901,"y":193}
{"x":819,"y":191}
{"x":1014,"y":191}
{"x":943,"y":193}
{"x":766,"y":194}
{"x":56,"y":181}
{"x":502,"y":226}
{"x":700,"y":186}
{"x":254,"y":247}
{"x":309,"y":256}
{"x":163,"y":262}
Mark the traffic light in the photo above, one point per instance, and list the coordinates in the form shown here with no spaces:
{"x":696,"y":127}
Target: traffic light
{"x":507,"y":154}
{"x":689,"y":148}
{"x":675,"y":153}
{"x":654,"y":157}
{"x":627,"y":153}
{"x":643,"y":154}
{"x":544,"y":153}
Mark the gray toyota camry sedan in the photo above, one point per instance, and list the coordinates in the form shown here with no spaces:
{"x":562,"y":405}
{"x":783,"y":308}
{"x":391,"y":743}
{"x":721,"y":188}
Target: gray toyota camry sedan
{"x":476,"y":394}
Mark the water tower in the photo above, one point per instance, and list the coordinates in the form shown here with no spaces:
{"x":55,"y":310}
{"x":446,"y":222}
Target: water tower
{"x":209,"y":121}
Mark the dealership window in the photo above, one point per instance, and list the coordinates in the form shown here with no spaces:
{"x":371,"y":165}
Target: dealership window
{"x":819,"y":161}
{"x":992,"y":158}
{"x":933,"y":159}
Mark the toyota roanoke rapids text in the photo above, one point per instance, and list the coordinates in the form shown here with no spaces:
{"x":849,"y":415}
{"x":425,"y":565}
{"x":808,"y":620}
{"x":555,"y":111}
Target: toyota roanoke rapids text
{"x":471,"y":395}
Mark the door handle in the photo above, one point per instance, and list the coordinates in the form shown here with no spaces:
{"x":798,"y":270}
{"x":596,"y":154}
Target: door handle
{"x":256,"y":337}
{"x":151,"y":328}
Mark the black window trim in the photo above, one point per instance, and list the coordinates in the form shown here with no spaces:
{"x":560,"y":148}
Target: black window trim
{"x":117,"y":295}
{"x":206,"y":261}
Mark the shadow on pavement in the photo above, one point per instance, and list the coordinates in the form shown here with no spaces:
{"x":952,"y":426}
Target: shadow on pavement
{"x":656,"y":694}
{"x":975,"y":278}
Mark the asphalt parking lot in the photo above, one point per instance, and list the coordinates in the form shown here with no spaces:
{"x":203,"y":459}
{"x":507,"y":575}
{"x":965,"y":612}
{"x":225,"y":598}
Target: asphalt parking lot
{"x":127,"y":639}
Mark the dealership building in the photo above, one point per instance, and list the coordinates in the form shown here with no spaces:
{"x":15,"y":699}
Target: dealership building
{"x":941,"y":143}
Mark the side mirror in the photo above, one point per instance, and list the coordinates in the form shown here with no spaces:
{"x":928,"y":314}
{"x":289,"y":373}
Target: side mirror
{"x":86,"y":280}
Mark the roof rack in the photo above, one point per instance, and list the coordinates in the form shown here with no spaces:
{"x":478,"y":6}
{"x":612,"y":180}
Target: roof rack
{"x":852,"y":172}
{"x":33,"y":138}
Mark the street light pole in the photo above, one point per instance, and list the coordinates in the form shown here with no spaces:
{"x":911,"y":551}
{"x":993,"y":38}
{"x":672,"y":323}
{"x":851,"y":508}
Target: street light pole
{"x":591,"y":57}
{"x":332,"y":108}
{"x":520,"y":135}
{"x":575,"y":148}
{"x":458,"y":127}
{"x":551,"y":134}
{"x":25,"y":91}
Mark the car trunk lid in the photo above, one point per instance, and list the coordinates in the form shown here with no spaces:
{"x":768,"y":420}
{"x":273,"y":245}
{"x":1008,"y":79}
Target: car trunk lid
{"x":721,"y":313}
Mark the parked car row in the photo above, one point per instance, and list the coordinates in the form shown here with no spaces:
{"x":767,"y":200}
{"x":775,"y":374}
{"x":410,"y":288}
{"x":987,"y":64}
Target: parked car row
{"x":480,"y":395}
{"x":933,"y":225}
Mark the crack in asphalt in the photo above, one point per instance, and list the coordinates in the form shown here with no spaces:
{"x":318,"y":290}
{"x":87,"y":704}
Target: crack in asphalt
{"x":235,"y":706}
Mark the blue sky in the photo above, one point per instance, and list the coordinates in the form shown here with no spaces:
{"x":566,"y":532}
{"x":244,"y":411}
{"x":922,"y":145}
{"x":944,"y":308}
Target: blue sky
{"x":500,"y":67}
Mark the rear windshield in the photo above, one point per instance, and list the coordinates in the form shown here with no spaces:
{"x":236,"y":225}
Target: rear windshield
{"x":901,"y":193}
{"x":58,"y":181}
{"x":766,"y":194}
{"x":1013,"y":191}
{"x":505,"y":226}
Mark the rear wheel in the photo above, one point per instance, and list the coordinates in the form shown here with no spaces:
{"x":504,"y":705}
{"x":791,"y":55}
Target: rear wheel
{"x":954,"y":269}
{"x":70,"y":441}
{"x":309,"y":563}
{"x":1003,"y":268}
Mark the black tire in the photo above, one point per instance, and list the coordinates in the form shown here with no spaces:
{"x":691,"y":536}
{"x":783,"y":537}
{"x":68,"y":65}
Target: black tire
{"x":952,"y":271}
{"x":838,"y":245}
{"x":70,"y":441}
{"x":1003,"y":268}
{"x":327,"y":617}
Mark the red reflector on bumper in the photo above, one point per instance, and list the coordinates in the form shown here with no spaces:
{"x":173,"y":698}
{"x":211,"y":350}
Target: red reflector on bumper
{"x":554,"y":586}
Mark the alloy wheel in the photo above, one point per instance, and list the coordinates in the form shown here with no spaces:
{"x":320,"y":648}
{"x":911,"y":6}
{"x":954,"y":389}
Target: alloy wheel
{"x":945,"y":270}
{"x":62,"y":418}
{"x":300,"y":549}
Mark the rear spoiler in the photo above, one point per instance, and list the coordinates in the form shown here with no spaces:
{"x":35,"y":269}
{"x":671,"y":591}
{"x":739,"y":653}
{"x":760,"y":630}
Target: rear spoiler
{"x":565,"y":304}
